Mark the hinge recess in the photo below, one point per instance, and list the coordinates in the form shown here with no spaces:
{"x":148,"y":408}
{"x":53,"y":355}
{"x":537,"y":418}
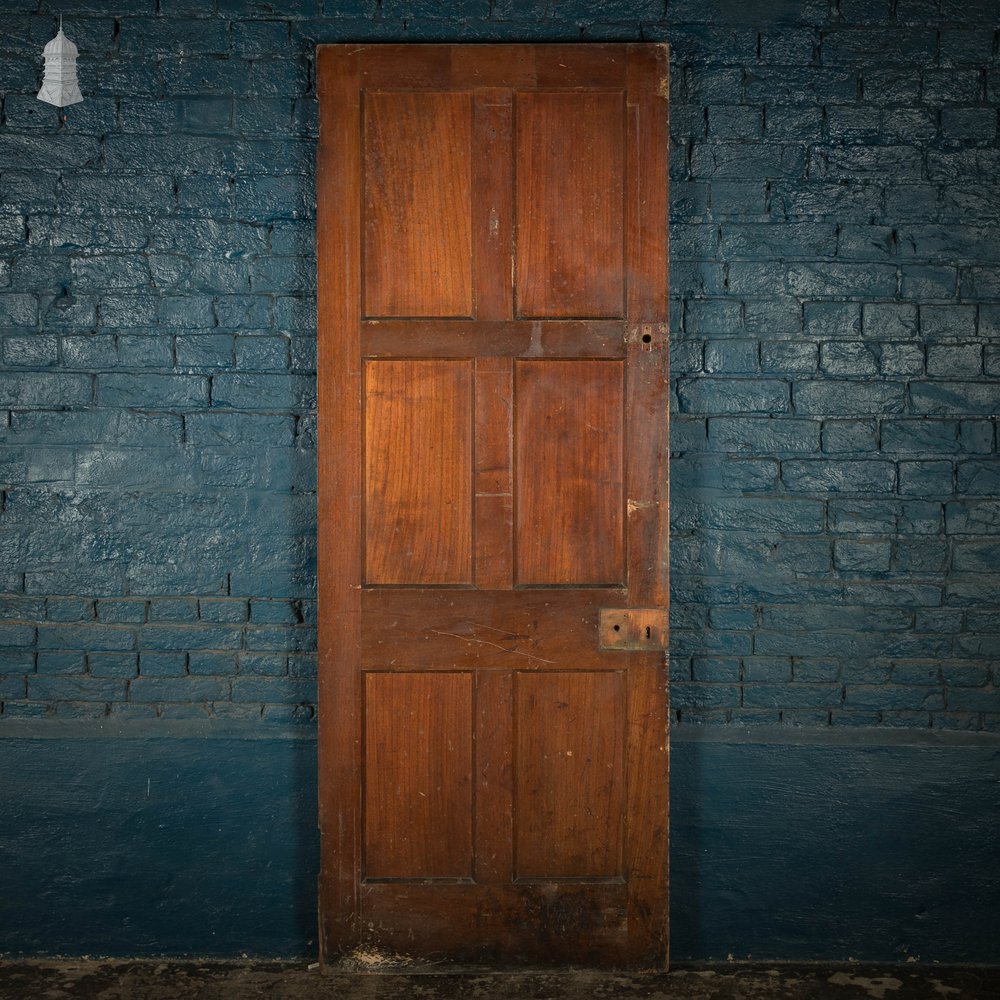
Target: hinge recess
{"x":625,"y":629}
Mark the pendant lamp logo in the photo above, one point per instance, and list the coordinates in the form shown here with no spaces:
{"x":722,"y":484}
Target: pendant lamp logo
{"x":59,"y":85}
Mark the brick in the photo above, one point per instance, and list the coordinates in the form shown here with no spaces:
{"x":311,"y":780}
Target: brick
{"x":928,"y":281}
{"x":939,"y":322}
{"x":889,"y":320}
{"x":262,"y":391}
{"x":262,"y":353}
{"x":112,"y":664}
{"x":977,"y":436}
{"x":162,"y":664}
{"x":958,"y":398}
{"x":894,"y":697}
{"x":73,"y":688}
{"x":274,"y":690}
{"x":851,"y":359}
{"x":732,"y":618}
{"x":920,"y":555}
{"x":927,"y":478}
{"x":850,"y":436}
{"x":688,"y":696}
{"x":792,"y":695}
{"x":721,"y":395}
{"x":788,"y":357}
{"x":979,"y":477}
{"x":955,"y":361}
{"x":814,"y":279}
{"x":190,"y":637}
{"x":974,"y":700}
{"x":178,"y":689}
{"x":211,"y":662}
{"x":263,"y":664}
{"x":734,"y":198}
{"x":835,"y":476}
{"x":40,"y":388}
{"x":927,"y":436}
{"x":842,"y":397}
{"x":781,"y":514}
{"x":785,"y":123}
{"x":85,"y":637}
{"x":145,"y":351}
{"x":853,"y":163}
{"x":731,"y":356}
{"x":236,"y":429}
{"x":735,"y":122}
{"x":862,"y":557}
{"x":50,"y":662}
{"x":222,"y":610}
{"x":900,"y":359}
{"x":69,"y":609}
{"x":767,"y":669}
{"x":152,"y":390}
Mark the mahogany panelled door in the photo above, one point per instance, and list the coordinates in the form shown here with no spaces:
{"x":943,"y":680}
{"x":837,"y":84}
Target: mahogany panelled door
{"x":493,"y":502}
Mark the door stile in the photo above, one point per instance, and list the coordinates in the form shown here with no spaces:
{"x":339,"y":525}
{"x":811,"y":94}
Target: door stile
{"x":339,"y":551}
{"x":647,"y":504}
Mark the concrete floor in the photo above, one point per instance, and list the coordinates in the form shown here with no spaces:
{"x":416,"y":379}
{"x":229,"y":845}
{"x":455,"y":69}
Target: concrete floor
{"x":208,"y":980}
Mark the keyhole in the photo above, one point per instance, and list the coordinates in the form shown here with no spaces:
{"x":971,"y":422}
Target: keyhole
{"x":648,"y":633}
{"x":646,"y":338}
{"x":618,"y":628}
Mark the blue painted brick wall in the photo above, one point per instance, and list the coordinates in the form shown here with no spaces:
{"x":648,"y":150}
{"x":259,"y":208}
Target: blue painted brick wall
{"x":836,"y":346}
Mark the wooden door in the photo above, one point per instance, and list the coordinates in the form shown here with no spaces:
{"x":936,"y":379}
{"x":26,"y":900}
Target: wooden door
{"x":493,"y":502}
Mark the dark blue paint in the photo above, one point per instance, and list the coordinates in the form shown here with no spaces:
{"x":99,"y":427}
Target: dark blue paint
{"x":147,"y":846}
{"x":791,"y":849}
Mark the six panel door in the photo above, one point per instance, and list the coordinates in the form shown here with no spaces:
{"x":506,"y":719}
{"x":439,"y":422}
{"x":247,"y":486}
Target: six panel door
{"x":493,"y":499}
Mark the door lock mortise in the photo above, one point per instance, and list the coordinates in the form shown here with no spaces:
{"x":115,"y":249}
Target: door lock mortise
{"x":626,"y":629}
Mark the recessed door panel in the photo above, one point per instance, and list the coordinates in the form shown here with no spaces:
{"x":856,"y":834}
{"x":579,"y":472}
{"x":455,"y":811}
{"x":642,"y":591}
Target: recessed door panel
{"x":418,"y":472}
{"x":569,"y":764}
{"x":569,"y":169}
{"x":417,"y":204}
{"x":569,"y":428}
{"x":418,"y":767}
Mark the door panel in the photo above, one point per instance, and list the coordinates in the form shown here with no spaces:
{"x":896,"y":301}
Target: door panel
{"x":418,"y":469}
{"x":569,"y":429}
{"x":570,"y":778}
{"x":492,"y":229}
{"x":417,"y":194}
{"x":568,"y":164}
{"x":418,"y":768}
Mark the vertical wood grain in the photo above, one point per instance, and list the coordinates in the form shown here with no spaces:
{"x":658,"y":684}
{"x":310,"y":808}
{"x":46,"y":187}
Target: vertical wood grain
{"x":648,"y":805}
{"x":569,"y":466}
{"x":493,"y":204}
{"x":569,"y":786}
{"x":494,"y":776}
{"x":339,"y":559}
{"x":418,"y":472}
{"x":647,"y":488}
{"x":418,"y":207}
{"x":418,"y":775}
{"x":570,"y":150}
{"x":494,"y":473}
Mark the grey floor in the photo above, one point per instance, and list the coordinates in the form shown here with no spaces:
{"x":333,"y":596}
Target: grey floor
{"x":170,"y":980}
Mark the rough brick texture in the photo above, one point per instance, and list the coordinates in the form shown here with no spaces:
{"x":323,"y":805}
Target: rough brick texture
{"x":836,"y":345}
